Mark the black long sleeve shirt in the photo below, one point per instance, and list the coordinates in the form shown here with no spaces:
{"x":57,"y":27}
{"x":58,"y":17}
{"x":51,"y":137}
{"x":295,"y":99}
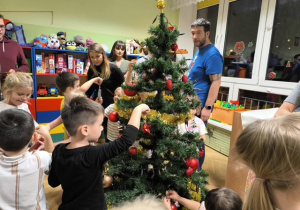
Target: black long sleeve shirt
{"x":108,"y":86}
{"x":79,"y":171}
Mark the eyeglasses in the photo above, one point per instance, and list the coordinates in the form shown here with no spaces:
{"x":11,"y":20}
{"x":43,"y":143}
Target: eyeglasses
{"x":2,"y":26}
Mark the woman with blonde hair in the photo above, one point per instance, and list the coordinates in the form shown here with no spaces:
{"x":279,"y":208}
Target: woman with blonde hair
{"x":111,"y":75}
{"x":271,"y":149}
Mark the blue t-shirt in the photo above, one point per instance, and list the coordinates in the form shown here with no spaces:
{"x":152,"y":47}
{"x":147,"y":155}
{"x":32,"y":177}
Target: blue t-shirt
{"x":207,"y":61}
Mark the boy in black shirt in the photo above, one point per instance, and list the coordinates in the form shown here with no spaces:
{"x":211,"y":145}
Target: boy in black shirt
{"x":77,"y":166}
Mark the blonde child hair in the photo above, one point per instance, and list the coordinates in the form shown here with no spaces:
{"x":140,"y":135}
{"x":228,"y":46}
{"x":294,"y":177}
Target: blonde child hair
{"x":196,"y":99}
{"x":271,"y":149}
{"x":143,"y":202}
{"x":15,"y":81}
{"x":105,"y":69}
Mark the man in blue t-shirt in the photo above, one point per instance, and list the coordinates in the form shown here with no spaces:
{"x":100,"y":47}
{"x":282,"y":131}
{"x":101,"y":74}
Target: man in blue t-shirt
{"x":205,"y":71}
{"x":206,"y":67}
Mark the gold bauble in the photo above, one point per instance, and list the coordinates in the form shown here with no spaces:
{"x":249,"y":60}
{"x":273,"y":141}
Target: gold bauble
{"x":107,"y":181}
{"x":161,"y":4}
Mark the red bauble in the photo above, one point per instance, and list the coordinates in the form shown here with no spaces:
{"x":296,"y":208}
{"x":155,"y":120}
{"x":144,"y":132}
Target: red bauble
{"x":173,"y":206}
{"x":113,"y":117}
{"x":201,"y":153}
{"x":189,"y":172}
{"x":171,"y":28}
{"x":175,"y":47}
{"x":169,"y":85}
{"x":194,"y":164}
{"x":133,"y":151}
{"x":184,"y":79}
{"x":129,"y":92}
{"x":188,"y":162}
{"x":154,"y":71}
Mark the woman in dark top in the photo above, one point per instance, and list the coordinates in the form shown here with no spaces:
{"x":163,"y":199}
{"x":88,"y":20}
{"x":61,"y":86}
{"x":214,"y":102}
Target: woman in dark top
{"x":110,"y":73}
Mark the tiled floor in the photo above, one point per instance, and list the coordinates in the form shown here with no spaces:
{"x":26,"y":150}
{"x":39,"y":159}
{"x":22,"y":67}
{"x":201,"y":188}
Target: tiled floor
{"x":215,"y":164}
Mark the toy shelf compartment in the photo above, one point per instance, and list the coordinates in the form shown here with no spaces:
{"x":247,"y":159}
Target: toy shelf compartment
{"x":60,"y":51}
{"x":47,"y":74}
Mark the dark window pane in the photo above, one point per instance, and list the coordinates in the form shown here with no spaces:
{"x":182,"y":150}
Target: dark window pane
{"x":242,"y":27}
{"x":285,"y":45}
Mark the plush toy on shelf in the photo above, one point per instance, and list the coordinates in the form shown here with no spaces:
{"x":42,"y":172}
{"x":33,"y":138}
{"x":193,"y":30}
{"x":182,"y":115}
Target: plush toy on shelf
{"x":79,"y":40}
{"x":62,"y":37}
{"x":89,"y":42}
{"x":71,"y":45}
{"x":41,"y":41}
{"x":9,"y":27}
{"x":53,"y":43}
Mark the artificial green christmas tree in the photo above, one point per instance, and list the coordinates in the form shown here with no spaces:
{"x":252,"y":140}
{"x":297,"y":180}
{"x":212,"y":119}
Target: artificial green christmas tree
{"x":161,"y":159}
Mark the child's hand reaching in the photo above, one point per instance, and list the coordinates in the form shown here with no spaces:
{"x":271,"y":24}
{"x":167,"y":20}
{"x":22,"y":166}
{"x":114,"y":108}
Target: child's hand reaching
{"x":167,"y":203}
{"x":98,"y":80}
{"x":145,"y":109}
{"x":173,"y":195}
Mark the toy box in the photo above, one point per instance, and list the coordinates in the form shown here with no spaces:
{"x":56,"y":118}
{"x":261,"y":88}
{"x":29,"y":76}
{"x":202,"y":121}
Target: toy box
{"x":225,"y":115}
{"x":52,"y":63}
{"x":39,"y":64}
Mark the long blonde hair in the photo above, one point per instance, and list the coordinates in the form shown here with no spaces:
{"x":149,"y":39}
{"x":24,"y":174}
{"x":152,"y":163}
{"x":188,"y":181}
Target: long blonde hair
{"x":271,"y":149}
{"x":15,"y":81}
{"x":105,"y":69}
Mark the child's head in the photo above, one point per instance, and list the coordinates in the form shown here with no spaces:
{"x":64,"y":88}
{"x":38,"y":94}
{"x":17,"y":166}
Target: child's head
{"x":145,"y":202}
{"x":118,"y":49}
{"x":73,"y":94}
{"x":84,"y":116}
{"x":271,"y":149}
{"x":16,"y":128}
{"x":97,"y":56}
{"x":67,"y":81}
{"x":118,"y":93}
{"x":196,"y":99}
{"x":223,"y":199}
{"x":17,"y":88}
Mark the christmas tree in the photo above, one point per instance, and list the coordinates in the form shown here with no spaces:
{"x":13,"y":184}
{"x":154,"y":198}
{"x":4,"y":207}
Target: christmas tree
{"x":161,"y":159}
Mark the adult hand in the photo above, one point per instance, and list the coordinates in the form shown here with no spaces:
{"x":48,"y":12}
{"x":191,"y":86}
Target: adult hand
{"x":132,"y":63}
{"x":205,"y":114}
{"x":11,"y":71}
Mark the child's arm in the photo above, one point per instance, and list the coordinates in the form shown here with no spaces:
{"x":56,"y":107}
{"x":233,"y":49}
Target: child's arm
{"x":135,"y":119}
{"x":88,"y":84}
{"x":54,"y":123}
{"x":49,"y":147}
{"x":190,"y":204}
{"x":128,"y":75}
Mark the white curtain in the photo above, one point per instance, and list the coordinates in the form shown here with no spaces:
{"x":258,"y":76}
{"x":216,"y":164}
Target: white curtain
{"x":177,"y":4}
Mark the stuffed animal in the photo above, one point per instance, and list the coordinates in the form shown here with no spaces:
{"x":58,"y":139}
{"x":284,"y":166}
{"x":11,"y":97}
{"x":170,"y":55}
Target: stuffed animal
{"x":79,"y":41}
{"x":52,"y":36}
{"x":9,"y":26}
{"x":71,"y":45}
{"x":62,"y":37}
{"x":53,"y":43}
{"x":41,"y":41}
{"x":89,"y":42}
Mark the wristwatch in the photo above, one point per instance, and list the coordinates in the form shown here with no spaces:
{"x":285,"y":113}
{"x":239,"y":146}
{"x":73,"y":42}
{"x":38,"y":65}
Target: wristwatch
{"x":208,"y":107}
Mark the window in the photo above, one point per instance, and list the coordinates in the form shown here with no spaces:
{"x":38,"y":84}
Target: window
{"x":210,"y":14}
{"x":242,"y":28}
{"x":284,"y":56}
{"x":223,"y":94}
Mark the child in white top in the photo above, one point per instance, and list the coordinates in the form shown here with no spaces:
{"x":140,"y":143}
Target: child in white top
{"x":22,"y":172}
{"x":112,"y":127}
{"x":17,"y":90}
